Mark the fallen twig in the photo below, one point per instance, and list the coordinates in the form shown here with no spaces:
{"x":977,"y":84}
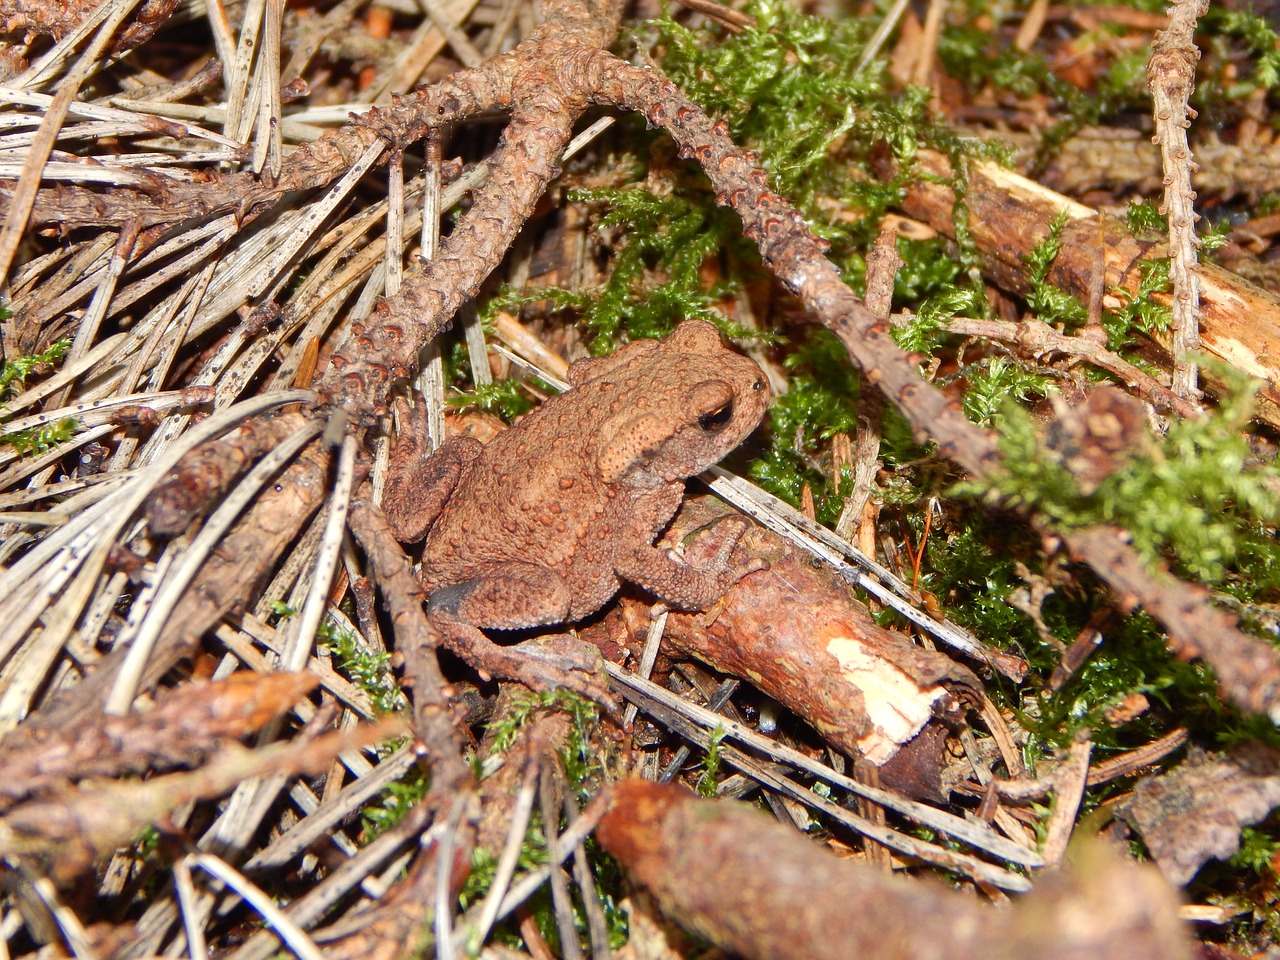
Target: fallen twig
{"x":1171,"y":76}
{"x":779,"y":896}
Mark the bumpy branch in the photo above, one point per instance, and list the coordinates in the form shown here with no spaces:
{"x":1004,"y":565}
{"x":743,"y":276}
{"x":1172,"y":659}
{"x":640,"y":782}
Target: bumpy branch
{"x":458,"y":97}
{"x":385,"y":346}
{"x":491,"y":86}
{"x":1171,"y":75}
{"x":796,"y":257}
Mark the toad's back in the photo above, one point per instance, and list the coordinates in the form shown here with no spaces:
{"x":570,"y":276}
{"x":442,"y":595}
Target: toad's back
{"x":579,"y":484}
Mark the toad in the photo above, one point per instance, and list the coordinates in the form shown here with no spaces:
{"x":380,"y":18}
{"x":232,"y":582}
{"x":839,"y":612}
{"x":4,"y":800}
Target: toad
{"x":541,"y":525}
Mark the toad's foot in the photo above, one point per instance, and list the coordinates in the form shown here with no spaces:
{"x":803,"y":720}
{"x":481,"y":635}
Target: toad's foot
{"x":555,"y":662}
{"x":712,"y":547}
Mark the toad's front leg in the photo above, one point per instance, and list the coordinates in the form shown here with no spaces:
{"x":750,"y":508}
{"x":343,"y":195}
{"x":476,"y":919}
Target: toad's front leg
{"x":420,"y":483}
{"x":683,"y":585}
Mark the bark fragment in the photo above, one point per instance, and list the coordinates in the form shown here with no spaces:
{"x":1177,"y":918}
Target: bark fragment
{"x":68,"y":831}
{"x":1194,"y":813}
{"x":1126,"y":163}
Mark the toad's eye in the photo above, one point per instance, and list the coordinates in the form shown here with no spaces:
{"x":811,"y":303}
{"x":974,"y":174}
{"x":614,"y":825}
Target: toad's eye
{"x":717,"y":419}
{"x":758,"y":385}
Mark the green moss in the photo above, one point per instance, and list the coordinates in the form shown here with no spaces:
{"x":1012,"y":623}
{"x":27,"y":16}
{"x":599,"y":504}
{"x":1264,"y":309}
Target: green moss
{"x":707,"y":780}
{"x":42,"y":439}
{"x":1049,"y":303}
{"x":14,"y":373}
{"x":1145,"y":219}
{"x":1141,"y":311}
{"x":1214,"y":237}
{"x":656,"y":277}
{"x":925,"y":331}
{"x":579,"y":758}
{"x":1198,"y":500}
{"x":371,"y":673}
{"x":930,"y":271}
{"x":976,"y":57}
{"x":792,"y":89}
{"x":1261,"y":45}
{"x":394,"y":804}
{"x":1126,"y":74}
{"x":823,"y":399}
{"x":533,"y":854}
{"x":972,"y":570}
{"x":502,"y":398}
{"x":581,"y":765}
{"x":369,"y":670}
{"x":789,"y":87}
{"x":1268,"y":203}
{"x":1133,"y":659}
{"x":992,"y":382}
{"x":975,"y":571}
{"x":13,"y":377}
{"x":821,"y":402}
{"x":484,"y":864}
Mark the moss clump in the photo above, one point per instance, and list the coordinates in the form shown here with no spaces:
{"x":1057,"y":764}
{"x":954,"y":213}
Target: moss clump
{"x":502,"y":398}
{"x":39,"y":440}
{"x":13,"y":377}
{"x":369,"y":670}
{"x":1199,"y":499}
{"x":656,"y":277}
{"x":14,"y":373}
{"x":580,"y":758}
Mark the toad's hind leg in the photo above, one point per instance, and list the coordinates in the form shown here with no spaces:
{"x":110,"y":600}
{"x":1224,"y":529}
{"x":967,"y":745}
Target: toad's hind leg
{"x":506,"y":595}
{"x":514,"y":596}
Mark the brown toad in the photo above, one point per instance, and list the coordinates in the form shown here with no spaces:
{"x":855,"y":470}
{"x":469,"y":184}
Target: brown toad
{"x":550,"y":516}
